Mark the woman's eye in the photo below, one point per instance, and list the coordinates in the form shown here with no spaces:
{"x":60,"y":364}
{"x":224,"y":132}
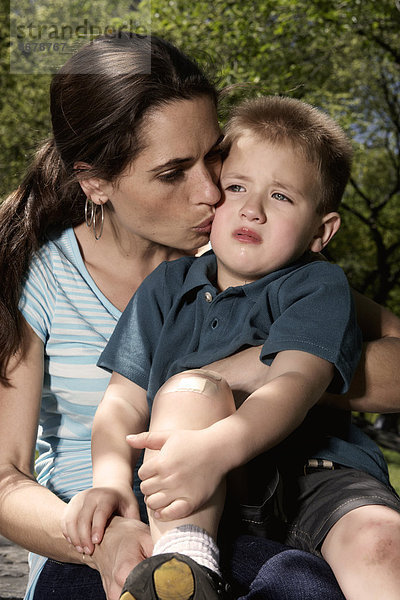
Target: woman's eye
{"x":281,"y":197}
{"x":235,"y":187}
{"x":214,"y":155}
{"x":171,"y":176}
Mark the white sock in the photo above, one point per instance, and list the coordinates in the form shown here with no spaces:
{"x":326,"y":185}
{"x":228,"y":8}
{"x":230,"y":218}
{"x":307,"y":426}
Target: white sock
{"x":191,"y":541}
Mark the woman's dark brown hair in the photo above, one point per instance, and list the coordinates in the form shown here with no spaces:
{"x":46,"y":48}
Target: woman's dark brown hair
{"x":98,"y":100}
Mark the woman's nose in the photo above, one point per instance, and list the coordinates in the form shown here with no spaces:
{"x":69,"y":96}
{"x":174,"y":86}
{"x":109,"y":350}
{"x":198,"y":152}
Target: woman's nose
{"x":207,"y":190}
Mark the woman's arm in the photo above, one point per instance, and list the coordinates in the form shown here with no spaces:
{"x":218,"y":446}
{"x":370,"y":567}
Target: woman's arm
{"x":29,"y":513}
{"x":376,"y":383}
{"x":123,"y":410}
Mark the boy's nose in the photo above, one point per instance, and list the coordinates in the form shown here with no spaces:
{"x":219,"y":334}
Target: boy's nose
{"x":253,"y":211}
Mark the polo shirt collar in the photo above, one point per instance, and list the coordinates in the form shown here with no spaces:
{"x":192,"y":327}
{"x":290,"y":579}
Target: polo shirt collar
{"x":254,"y":289}
{"x":203,"y":272}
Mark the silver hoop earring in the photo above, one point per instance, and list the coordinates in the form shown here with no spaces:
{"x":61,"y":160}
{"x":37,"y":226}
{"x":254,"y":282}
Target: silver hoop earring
{"x":89,"y":212}
{"x":97,"y":236}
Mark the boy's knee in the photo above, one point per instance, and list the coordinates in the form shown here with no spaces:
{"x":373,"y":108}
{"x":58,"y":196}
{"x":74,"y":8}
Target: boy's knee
{"x":185,"y":390}
{"x":371,"y":534}
{"x":199,"y":381}
{"x":381,"y":535}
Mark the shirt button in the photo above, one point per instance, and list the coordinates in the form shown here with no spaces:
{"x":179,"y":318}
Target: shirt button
{"x":214,"y":324}
{"x":208,"y":297}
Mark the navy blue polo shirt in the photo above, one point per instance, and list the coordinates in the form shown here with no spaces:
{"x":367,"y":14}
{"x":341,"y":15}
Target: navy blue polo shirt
{"x":178,"y":320}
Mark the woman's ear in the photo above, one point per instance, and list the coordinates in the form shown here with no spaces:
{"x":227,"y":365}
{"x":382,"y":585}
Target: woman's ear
{"x":329,"y":226}
{"x":93,"y":187}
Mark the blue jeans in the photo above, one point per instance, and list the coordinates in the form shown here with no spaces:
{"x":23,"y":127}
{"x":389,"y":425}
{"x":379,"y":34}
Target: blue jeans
{"x":266,"y":570}
{"x":261,"y":570}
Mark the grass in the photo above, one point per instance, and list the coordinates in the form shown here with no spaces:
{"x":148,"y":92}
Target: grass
{"x":393,"y":460}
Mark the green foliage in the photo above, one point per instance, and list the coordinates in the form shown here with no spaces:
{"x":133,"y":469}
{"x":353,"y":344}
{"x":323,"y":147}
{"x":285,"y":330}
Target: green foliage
{"x":392,"y":458}
{"x":25,"y":79}
{"x":343,"y":57}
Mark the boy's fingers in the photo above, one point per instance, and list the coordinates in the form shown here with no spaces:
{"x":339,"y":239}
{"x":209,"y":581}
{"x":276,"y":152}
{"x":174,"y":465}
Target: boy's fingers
{"x":178,"y":509}
{"x":149,"y":469}
{"x":99,"y":522}
{"x":70,"y":530}
{"x":150,"y":485}
{"x":85,"y":534}
{"x":153,"y":440}
{"x":157,"y":501}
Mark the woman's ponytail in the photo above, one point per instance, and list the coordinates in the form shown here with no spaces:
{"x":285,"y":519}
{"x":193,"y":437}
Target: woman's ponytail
{"x":26,"y":216}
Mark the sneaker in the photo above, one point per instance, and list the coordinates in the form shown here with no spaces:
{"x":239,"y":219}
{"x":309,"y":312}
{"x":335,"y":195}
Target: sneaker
{"x":174,"y":576}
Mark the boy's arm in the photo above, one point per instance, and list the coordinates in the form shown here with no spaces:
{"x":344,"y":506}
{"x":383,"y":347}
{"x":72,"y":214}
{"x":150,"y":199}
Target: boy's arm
{"x":376,"y":383}
{"x":296,"y":381}
{"x":123,"y":410}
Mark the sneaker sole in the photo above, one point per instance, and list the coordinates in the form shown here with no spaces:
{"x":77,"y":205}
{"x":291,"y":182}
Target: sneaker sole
{"x":173,"y":580}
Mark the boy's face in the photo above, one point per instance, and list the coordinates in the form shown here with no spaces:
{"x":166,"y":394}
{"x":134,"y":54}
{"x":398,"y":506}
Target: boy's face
{"x":267,"y":216}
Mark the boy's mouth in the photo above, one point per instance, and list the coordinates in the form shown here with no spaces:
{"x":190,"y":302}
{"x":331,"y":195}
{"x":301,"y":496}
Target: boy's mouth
{"x":246,"y":235}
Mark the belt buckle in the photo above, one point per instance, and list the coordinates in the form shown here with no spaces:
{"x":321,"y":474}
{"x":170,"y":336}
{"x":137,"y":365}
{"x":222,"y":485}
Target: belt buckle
{"x":318,"y":463}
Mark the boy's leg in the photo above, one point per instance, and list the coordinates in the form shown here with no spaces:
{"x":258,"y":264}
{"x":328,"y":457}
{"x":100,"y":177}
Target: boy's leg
{"x":185,"y":561}
{"x":363,"y":550}
{"x":353,"y":521}
{"x":191,"y":400}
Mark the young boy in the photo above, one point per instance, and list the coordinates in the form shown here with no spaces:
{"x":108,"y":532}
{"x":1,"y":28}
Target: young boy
{"x":282,"y":182}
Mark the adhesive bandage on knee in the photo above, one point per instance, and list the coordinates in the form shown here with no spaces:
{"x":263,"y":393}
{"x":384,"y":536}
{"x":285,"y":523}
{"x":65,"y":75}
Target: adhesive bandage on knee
{"x":202,"y":382}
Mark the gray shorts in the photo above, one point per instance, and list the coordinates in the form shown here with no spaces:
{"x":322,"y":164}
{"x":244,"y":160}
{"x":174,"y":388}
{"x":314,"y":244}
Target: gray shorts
{"x":303,"y":507}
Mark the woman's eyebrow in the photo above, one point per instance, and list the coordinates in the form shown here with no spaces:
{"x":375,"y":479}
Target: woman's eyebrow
{"x":174,"y":162}
{"x":219,"y":141}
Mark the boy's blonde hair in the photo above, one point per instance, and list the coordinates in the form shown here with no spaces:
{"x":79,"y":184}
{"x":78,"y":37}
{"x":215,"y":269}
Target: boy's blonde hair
{"x":281,"y":120}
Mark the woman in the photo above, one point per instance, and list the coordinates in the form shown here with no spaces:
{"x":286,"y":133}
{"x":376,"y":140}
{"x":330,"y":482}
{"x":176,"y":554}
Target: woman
{"x":134,"y":153}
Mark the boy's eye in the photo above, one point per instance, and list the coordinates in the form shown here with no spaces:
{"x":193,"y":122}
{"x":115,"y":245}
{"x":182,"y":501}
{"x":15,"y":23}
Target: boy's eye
{"x":281,"y":197}
{"x":235,"y":187}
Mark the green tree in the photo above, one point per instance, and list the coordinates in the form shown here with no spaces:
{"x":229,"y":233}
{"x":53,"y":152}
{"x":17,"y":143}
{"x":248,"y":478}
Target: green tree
{"x":341,"y":56}
{"x":25,"y":79}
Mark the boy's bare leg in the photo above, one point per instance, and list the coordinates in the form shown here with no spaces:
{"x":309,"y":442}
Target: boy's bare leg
{"x":188,"y":401}
{"x":192,"y":400}
{"x":363,"y":550}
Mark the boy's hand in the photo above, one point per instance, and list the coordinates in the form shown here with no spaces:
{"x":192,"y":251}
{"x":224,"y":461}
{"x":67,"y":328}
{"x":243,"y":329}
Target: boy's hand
{"x":87,"y":514}
{"x":180,"y":478}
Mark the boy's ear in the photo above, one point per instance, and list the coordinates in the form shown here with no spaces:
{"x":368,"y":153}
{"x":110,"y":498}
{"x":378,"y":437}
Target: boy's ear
{"x":93,"y":187}
{"x":329,"y":225}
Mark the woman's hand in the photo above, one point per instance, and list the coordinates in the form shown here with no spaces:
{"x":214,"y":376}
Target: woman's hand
{"x":183,"y":476}
{"x":126,"y":543}
{"x":86,"y":515}
{"x":244,"y":372}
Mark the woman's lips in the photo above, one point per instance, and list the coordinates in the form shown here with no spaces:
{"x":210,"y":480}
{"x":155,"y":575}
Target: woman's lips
{"x":247,"y":236}
{"x":205,"y":226}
